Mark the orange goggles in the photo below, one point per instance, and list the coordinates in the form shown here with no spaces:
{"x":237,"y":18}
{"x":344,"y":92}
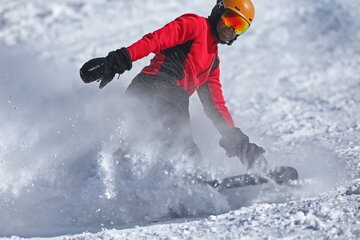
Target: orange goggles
{"x":235,"y":21}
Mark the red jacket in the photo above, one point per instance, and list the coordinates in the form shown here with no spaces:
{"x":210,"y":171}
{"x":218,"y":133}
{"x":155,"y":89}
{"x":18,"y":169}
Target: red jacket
{"x":186,"y":51}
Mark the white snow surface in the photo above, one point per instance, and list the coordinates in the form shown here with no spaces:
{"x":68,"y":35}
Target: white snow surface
{"x":70,"y":171}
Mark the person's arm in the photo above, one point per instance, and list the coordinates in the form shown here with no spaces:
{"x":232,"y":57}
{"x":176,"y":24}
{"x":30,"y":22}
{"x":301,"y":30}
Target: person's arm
{"x":212,"y":99}
{"x":179,"y":31}
{"x":233,"y":140}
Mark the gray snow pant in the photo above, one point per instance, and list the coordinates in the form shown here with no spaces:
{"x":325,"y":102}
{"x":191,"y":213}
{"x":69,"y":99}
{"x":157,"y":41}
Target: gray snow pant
{"x":169,"y":104}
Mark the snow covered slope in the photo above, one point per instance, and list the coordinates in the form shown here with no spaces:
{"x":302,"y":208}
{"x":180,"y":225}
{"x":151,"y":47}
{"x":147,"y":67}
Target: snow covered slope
{"x":291,"y":82}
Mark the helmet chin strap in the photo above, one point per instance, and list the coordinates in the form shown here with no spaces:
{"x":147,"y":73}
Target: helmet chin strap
{"x":232,"y":41}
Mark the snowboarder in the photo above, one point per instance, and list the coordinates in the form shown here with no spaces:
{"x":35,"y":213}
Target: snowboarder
{"x":186,"y":60}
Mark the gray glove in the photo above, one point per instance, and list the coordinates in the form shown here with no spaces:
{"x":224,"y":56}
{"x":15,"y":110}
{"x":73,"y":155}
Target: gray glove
{"x":236,"y":143}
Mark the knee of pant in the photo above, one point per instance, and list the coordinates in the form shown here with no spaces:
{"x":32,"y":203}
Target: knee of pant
{"x":194,"y":153}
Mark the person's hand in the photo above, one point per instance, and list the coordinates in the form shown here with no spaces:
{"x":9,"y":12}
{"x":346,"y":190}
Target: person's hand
{"x":236,"y":143}
{"x":104,"y":69}
{"x":97,"y":69}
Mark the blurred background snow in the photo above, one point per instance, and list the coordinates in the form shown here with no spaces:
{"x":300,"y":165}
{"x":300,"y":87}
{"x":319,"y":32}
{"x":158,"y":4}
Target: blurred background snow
{"x":291,"y":83}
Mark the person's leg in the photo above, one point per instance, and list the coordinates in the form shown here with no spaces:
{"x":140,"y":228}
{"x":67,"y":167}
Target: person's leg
{"x":169,"y":104}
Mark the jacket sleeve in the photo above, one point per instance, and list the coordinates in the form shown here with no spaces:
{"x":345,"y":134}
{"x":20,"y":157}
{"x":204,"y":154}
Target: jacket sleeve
{"x":212,"y":99}
{"x":179,"y":31}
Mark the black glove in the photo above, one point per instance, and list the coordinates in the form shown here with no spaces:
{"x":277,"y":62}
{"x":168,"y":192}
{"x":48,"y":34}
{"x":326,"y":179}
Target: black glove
{"x":236,"y":143}
{"x":104,"y":69}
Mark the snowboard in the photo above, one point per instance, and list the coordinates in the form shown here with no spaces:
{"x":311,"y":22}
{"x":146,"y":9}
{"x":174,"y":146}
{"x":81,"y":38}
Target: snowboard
{"x":279,"y":175}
